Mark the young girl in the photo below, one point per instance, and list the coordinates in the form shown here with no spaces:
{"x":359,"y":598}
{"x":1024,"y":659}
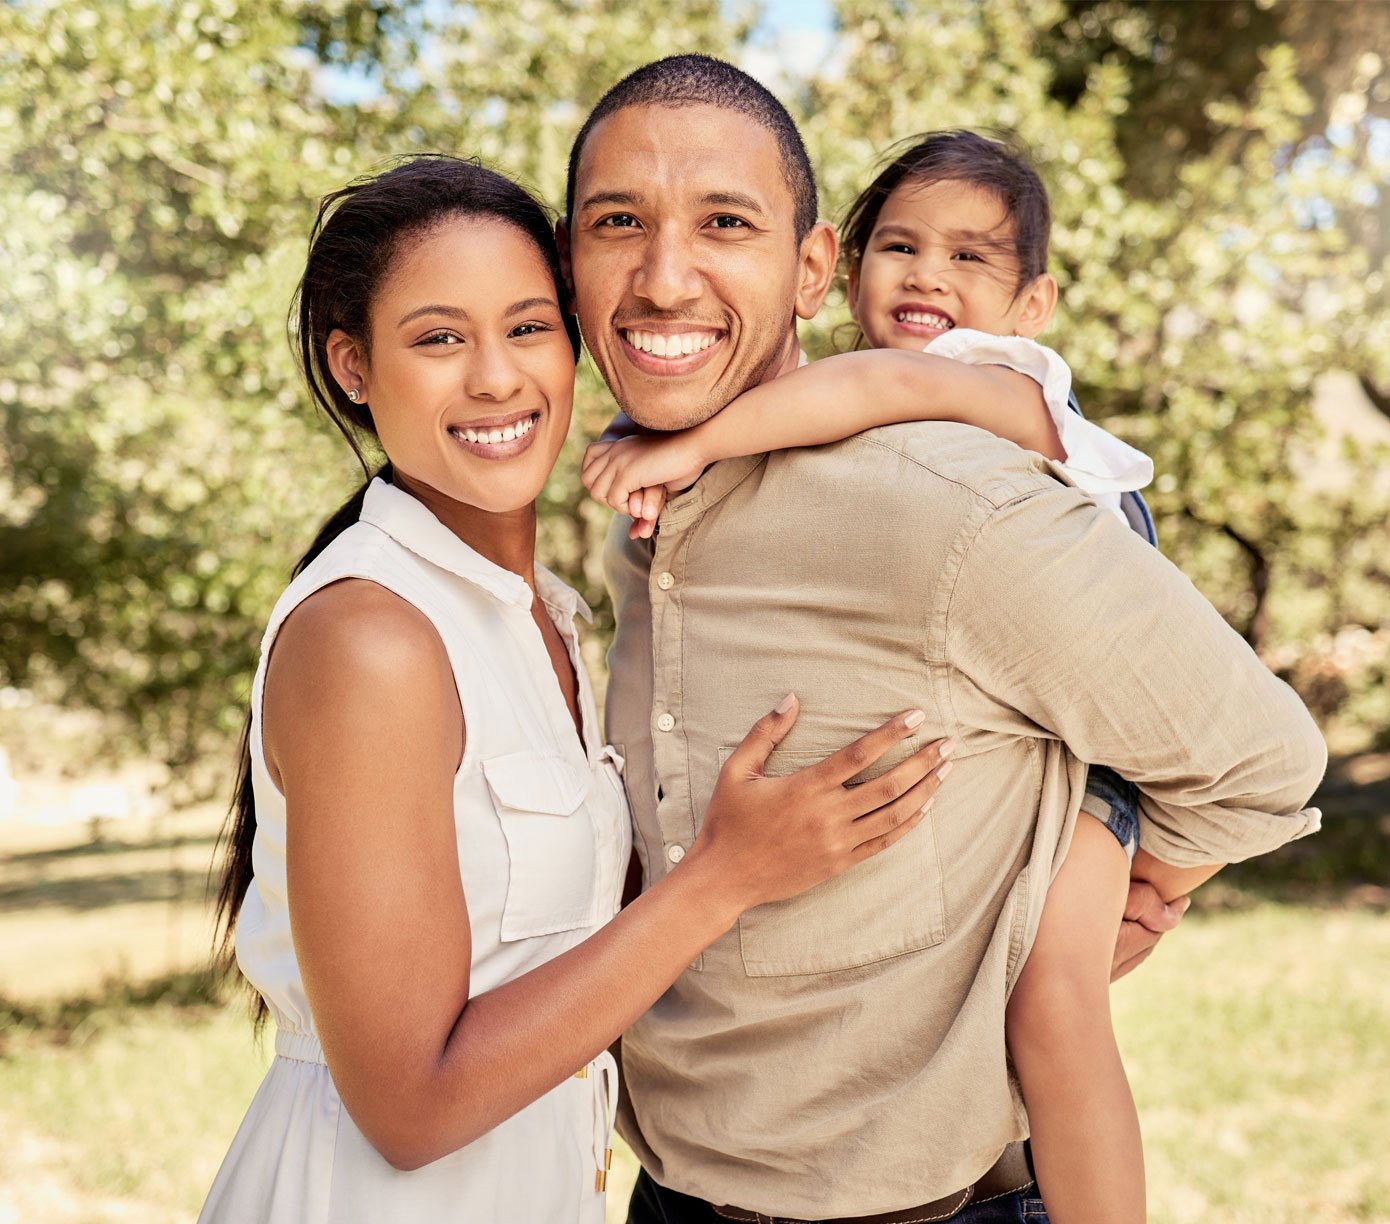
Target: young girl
{"x":430,"y":839}
{"x":947,"y":274}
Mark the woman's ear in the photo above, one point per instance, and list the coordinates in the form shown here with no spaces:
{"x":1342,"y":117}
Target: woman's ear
{"x":816,"y":269}
{"x":348,"y":365}
{"x":1035,"y":307}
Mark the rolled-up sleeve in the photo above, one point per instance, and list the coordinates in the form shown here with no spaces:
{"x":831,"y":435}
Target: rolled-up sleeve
{"x":1061,"y":614}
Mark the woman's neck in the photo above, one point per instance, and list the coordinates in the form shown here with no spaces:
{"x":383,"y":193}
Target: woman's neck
{"x":507,"y":539}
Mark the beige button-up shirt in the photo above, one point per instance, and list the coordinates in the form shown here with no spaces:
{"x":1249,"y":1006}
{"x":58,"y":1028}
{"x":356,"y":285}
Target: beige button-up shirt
{"x":842,"y":1052}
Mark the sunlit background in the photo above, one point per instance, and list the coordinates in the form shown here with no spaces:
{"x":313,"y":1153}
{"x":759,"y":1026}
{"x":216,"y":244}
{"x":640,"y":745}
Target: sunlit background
{"x":1222,"y":238}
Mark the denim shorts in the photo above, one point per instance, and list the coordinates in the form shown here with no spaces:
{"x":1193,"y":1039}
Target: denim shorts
{"x":1120,"y":813}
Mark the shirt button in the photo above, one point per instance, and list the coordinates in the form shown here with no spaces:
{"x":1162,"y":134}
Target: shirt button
{"x":665,"y":580}
{"x":675,"y":853}
{"x":665,"y":722}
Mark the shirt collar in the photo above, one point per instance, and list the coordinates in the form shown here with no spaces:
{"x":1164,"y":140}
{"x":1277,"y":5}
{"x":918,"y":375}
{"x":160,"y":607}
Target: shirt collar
{"x":413,"y":525}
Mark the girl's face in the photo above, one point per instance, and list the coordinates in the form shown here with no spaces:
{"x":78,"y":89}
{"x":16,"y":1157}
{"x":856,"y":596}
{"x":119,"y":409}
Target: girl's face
{"x":942,"y":256}
{"x":470,"y":377}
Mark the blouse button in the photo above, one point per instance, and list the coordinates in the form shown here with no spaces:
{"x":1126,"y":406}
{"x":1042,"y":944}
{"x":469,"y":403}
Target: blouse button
{"x":665,"y":722}
{"x":665,"y":580}
{"x":675,"y":853}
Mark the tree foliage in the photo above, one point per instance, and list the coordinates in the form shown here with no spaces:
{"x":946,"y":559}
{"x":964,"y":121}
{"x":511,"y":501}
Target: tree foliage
{"x":1221,"y":237}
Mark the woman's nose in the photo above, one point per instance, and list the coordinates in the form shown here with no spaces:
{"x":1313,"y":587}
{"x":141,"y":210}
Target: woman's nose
{"x":493,"y":374}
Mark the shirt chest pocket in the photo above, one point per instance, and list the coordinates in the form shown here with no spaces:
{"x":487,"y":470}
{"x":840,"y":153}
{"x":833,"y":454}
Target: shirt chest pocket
{"x":551,"y":854}
{"x":886,"y":906}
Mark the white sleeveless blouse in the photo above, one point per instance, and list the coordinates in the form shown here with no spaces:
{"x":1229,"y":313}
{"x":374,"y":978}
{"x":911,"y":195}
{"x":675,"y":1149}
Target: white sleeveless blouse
{"x":543,"y":837}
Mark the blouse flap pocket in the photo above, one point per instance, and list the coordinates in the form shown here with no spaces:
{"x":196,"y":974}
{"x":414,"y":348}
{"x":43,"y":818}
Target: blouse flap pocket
{"x":551,"y":854}
{"x":531,"y":782}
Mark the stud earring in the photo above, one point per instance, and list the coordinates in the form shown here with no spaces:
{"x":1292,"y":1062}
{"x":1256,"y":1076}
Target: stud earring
{"x":354,"y":395}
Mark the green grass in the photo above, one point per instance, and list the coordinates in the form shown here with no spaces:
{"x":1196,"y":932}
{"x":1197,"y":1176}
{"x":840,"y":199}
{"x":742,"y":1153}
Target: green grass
{"x":1257,"y":1041}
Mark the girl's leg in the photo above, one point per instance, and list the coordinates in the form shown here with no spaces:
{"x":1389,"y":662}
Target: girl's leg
{"x":1086,"y":1145}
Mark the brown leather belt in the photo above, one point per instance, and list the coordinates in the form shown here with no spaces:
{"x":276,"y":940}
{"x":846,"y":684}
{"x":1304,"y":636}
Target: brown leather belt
{"x":1006,"y":1175}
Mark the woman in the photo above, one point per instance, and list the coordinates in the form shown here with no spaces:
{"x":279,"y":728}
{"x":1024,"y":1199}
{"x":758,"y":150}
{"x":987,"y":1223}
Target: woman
{"x":430,"y":839}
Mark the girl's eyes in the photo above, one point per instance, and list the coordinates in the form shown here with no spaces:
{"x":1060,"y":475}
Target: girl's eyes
{"x":967,"y":257}
{"x":899,"y":248}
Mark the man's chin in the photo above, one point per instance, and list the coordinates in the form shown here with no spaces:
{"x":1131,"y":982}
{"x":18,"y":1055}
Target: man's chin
{"x":668,"y":413}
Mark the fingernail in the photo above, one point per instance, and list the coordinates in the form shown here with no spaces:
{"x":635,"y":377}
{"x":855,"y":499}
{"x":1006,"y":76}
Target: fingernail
{"x":915,"y":718}
{"x":945,"y":770}
{"x":786,"y":703}
{"x":947,"y":748}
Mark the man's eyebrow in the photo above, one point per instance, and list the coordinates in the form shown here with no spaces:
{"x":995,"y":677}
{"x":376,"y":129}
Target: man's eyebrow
{"x":612,"y":197}
{"x":733,"y":199}
{"x":449,"y":312}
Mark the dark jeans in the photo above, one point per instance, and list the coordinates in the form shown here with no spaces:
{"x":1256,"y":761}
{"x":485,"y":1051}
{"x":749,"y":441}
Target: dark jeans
{"x":654,"y":1204}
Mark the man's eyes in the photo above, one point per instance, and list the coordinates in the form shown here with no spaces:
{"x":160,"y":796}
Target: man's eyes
{"x":728,"y":221}
{"x":618,"y":221}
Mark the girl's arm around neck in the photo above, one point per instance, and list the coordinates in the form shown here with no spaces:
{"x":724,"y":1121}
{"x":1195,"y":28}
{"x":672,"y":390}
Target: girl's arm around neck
{"x":843,"y":395}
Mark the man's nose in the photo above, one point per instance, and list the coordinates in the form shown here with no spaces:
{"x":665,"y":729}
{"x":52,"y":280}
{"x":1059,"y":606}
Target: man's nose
{"x":667,"y":277}
{"x":493,"y":373}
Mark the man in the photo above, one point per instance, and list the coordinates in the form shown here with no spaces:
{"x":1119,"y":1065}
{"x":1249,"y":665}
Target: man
{"x":841,"y":1055}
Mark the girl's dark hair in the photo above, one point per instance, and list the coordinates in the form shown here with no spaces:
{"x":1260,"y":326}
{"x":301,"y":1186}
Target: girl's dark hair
{"x":359,"y":234}
{"x":994,"y":163}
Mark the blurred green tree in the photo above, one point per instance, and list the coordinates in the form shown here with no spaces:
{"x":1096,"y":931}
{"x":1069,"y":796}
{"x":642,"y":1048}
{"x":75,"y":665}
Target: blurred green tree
{"x":1218,"y":182}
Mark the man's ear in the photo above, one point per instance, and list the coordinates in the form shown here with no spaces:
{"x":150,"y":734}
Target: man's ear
{"x":562,"y":240}
{"x":348,"y":364}
{"x":816,"y":269}
{"x":1038,"y":301}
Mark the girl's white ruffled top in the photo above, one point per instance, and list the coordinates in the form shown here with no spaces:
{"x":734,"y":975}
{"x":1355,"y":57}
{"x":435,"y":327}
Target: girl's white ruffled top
{"x":544,"y":839}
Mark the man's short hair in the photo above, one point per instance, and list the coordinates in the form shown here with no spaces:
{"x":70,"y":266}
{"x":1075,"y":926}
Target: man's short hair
{"x":701,"y":80}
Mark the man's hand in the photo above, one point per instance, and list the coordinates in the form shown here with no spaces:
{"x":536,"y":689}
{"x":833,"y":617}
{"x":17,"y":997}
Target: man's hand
{"x":1147,"y":919}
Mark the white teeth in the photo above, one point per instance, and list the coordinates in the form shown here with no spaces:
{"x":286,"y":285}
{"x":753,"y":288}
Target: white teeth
{"x":930,"y":320}
{"x":498,"y":433}
{"x":661,"y":345}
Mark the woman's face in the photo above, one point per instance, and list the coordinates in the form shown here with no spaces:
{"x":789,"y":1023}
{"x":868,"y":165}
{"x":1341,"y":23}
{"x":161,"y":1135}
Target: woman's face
{"x":471,"y":374}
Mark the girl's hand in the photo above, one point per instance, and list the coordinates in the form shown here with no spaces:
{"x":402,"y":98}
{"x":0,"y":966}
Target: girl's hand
{"x":614,"y":472}
{"x":645,"y":506}
{"x":780,"y":836}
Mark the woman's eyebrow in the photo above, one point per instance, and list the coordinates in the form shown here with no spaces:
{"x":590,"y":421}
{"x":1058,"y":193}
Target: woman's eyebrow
{"x":530,"y":304}
{"x":449,"y":312}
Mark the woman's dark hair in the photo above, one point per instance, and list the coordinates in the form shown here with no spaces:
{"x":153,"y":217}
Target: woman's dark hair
{"x":995,"y":163}
{"x":360,"y":233}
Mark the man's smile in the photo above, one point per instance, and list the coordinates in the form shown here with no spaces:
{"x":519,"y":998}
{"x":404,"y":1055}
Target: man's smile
{"x":670,"y":352}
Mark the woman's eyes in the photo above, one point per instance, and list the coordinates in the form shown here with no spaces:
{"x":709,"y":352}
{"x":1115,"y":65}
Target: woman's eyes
{"x":441,"y":339}
{"x":522,"y":330}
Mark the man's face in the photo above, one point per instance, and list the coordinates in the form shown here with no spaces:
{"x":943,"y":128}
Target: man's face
{"x":684,"y":260}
